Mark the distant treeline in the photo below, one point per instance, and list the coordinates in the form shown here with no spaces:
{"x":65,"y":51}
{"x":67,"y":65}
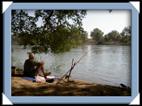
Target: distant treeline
{"x":113,"y":37}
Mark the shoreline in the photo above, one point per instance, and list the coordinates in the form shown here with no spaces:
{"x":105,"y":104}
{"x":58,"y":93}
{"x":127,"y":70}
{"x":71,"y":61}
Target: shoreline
{"x":107,"y":44}
{"x":22,"y":87}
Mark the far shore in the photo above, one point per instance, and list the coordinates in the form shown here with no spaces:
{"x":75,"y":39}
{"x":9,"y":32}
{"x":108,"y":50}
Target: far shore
{"x":107,"y":43}
{"x":22,"y":87}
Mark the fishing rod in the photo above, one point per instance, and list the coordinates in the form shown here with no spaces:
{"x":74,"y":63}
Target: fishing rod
{"x":72,"y":67}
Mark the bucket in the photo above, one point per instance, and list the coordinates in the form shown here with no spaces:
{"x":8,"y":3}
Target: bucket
{"x":13,"y":70}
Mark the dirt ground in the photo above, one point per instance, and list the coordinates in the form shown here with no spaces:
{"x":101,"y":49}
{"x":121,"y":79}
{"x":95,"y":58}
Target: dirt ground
{"x":22,"y":87}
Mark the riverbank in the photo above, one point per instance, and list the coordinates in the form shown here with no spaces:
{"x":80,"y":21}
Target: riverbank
{"x":108,"y":43}
{"x":22,"y":87}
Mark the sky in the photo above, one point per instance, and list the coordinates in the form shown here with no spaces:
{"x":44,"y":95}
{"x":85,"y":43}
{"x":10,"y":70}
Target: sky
{"x":103,"y":19}
{"x":106,"y":21}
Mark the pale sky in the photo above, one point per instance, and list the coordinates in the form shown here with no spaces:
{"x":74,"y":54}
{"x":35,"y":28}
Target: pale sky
{"x":105,"y":21}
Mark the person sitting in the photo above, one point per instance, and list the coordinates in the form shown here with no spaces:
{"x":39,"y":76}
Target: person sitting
{"x":35,"y":69}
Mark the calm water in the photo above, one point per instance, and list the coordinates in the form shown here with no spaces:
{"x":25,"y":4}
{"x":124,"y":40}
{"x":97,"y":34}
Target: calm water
{"x":103,"y":64}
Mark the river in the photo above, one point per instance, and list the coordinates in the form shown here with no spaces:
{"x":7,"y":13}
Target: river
{"x":102,"y":64}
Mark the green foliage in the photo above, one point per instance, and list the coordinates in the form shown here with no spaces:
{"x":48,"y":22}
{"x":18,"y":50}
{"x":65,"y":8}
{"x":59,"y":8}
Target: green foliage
{"x":97,"y":35}
{"x":54,"y":18}
{"x":57,"y":34}
{"x":113,"y":37}
{"x":63,"y":39}
{"x":126,"y":35}
{"x":22,"y":22}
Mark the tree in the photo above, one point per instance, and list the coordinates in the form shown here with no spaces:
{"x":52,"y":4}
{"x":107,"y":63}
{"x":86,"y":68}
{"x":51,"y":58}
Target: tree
{"x":22,"y":22}
{"x":61,"y":29}
{"x":126,"y":35}
{"x":54,"y":18}
{"x":126,"y":31}
{"x":22,"y":27}
{"x":112,"y":36}
{"x":97,"y":35}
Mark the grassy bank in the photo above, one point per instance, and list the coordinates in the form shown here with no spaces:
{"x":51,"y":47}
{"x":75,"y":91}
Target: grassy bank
{"x":22,"y":87}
